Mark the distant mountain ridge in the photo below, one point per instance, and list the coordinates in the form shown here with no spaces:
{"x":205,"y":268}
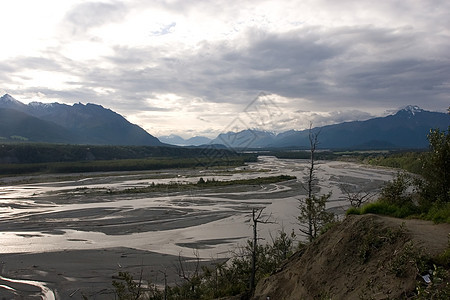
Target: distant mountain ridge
{"x":179,"y":141}
{"x":249,"y":138}
{"x":61,"y":123}
{"x":94,"y":124}
{"x":407,"y":128}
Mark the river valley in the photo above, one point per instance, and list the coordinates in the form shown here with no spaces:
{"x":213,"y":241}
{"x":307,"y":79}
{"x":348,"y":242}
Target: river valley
{"x":73,"y":233}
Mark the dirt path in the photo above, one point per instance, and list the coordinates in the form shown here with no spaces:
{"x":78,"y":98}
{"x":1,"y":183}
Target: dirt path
{"x":433,"y":238}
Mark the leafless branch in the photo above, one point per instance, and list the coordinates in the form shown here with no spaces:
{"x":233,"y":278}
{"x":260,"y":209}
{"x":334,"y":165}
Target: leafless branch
{"x":356,"y":199}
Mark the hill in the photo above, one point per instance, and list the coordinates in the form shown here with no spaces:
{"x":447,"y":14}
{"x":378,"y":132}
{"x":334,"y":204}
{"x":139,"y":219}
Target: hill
{"x":76,"y":124}
{"x":364,"y":257}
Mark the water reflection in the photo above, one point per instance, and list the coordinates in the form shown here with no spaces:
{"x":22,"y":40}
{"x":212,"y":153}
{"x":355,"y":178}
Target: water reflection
{"x":19,"y":287}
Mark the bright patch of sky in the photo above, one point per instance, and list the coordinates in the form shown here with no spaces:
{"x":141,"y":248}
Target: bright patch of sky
{"x":192,"y":67}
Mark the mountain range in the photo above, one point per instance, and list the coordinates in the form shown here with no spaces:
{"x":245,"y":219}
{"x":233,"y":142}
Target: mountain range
{"x":96,"y":125}
{"x":406,"y":129}
{"x":61,"y":123}
{"x":179,"y":141}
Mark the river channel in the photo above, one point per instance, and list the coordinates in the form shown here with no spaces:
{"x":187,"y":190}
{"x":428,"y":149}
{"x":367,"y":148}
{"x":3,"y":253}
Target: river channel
{"x":92,"y":212}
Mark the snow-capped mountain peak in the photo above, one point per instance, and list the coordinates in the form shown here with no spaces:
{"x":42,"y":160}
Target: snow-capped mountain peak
{"x":9,"y":102}
{"x":7,"y":98}
{"x":41,"y":105}
{"x":412,"y":109}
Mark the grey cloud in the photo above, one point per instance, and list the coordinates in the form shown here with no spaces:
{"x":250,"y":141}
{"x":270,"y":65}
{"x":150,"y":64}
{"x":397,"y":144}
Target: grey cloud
{"x":153,"y":108}
{"x":93,"y":14}
{"x":276,"y":63}
{"x":68,"y":96}
{"x":7,"y":69}
{"x":287,"y":51}
{"x":34,"y":63}
{"x":335,"y":117}
{"x":218,"y":70}
{"x":345,"y":66}
{"x":400,"y":80}
{"x":204,"y":120}
{"x":11,"y":67}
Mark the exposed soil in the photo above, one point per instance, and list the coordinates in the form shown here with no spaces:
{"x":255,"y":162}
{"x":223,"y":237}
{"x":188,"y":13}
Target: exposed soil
{"x":365,"y":257}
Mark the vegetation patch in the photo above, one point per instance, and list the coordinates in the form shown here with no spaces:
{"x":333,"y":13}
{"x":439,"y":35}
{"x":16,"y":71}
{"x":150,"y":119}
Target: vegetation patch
{"x":438,"y":213}
{"x":426,"y":196}
{"x":409,"y":161}
{"x":175,"y":186}
{"x":222,"y":279}
{"x":305,"y":154}
{"x":154,"y":163}
{"x":434,"y":276}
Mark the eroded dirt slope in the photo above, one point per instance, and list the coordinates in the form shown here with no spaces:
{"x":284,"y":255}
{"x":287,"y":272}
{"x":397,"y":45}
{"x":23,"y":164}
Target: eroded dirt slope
{"x":365,"y":257}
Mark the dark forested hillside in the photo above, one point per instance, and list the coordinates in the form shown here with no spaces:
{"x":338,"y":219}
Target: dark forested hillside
{"x":76,"y":124}
{"x":19,"y":126}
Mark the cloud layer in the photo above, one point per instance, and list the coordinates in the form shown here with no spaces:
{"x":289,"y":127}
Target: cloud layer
{"x":203,"y":62}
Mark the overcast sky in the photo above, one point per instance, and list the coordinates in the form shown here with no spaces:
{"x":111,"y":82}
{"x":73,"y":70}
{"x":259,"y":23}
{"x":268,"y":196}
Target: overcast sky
{"x":193,"y":67}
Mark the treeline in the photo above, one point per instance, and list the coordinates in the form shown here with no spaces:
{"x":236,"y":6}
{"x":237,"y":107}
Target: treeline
{"x":304,"y":154}
{"x":54,"y":158}
{"x":410,"y":161}
{"x":42,"y":153}
{"x":156,"y":163}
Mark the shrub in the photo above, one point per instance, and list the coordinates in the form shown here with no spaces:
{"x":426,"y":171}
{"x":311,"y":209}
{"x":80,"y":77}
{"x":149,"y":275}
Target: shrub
{"x":439,"y":213}
{"x":353,"y":211}
{"x":398,"y":191}
{"x":383,"y":208}
{"x":436,"y":169}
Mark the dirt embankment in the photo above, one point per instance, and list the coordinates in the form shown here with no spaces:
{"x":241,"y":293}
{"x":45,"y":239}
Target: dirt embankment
{"x":365,"y":257}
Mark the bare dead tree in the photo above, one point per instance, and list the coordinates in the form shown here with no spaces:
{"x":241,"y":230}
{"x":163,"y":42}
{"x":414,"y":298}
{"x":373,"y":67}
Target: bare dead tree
{"x":257,"y":218}
{"x":356,"y":198}
{"x":127,"y":287}
{"x":165,"y":282}
{"x":312,"y":209}
{"x":313,"y":143}
{"x":139,"y":287}
{"x":188,"y":270}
